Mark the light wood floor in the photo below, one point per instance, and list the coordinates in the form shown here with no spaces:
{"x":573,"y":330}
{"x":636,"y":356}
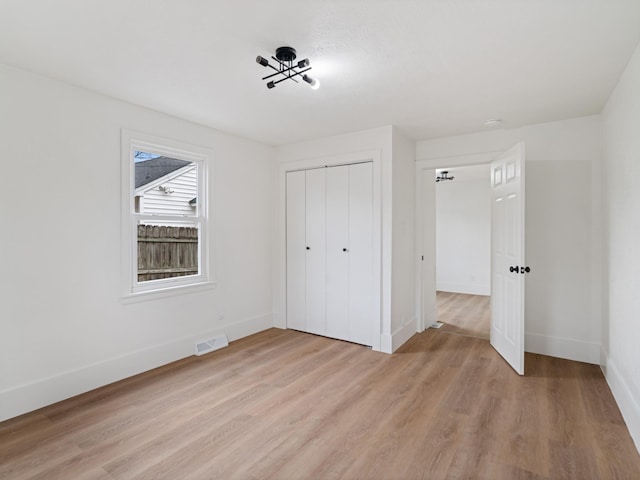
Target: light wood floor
{"x":464,"y":314}
{"x":287,"y":405}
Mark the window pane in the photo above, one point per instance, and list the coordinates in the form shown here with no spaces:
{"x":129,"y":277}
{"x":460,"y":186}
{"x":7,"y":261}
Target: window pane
{"x":164,"y":185}
{"x":166,"y":251}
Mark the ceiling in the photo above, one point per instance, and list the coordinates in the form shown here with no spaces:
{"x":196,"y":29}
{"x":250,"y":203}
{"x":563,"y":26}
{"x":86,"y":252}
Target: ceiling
{"x":430,"y":67}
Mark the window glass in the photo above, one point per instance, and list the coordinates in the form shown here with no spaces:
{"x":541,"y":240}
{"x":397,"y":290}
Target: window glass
{"x":166,"y":187}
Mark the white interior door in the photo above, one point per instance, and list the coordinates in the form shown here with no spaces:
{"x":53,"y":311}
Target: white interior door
{"x":296,"y":251}
{"x":316,"y":250}
{"x":507,"y":256}
{"x":338,"y":252}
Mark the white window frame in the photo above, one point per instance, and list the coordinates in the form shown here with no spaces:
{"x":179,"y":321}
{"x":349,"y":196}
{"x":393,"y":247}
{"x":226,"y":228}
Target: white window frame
{"x":203,"y":157}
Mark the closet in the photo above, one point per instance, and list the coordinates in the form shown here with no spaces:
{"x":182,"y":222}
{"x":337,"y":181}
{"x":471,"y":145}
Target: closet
{"x":329,"y":223}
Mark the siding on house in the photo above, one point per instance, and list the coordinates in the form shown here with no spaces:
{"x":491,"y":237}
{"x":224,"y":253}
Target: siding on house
{"x":182,"y":183}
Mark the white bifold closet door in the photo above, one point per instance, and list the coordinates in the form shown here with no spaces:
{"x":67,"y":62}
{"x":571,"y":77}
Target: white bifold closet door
{"x":330,"y":252}
{"x":296,"y":251}
{"x":361,"y":288}
{"x":316,"y":255}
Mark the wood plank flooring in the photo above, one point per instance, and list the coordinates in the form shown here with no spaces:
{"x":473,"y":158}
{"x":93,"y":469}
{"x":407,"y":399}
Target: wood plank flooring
{"x":288,"y":405}
{"x":464,"y":314}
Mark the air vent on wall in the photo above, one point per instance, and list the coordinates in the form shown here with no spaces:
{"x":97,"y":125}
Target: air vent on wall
{"x":212,"y":344}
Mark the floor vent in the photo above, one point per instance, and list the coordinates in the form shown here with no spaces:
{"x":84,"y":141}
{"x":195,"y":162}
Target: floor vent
{"x":212,"y":344}
{"x":436,"y":325}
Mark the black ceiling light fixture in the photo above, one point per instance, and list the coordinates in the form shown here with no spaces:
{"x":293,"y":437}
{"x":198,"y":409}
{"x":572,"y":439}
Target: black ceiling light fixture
{"x":444,"y":175}
{"x":287,"y":68}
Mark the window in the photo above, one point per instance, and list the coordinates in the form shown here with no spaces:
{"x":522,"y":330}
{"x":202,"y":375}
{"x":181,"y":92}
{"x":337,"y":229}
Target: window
{"x":165,"y":242}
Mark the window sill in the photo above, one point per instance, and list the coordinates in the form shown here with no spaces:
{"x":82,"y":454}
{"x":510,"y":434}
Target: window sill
{"x":167,"y":292}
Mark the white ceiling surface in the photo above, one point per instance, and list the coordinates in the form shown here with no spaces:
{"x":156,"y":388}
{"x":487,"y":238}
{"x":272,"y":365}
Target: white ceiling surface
{"x":431,"y":67}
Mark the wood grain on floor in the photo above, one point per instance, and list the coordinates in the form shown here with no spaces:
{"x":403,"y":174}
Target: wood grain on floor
{"x":286,"y":405}
{"x":464,"y":314}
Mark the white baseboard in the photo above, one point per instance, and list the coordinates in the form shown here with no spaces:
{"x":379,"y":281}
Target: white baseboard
{"x":466,"y":288}
{"x":629,"y":405}
{"x":31,"y":396}
{"x":568,"y":348}
{"x":391,"y":342}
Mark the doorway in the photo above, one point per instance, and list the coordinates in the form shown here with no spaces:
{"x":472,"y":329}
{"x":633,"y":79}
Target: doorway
{"x":463,"y":249}
{"x":507,"y":186}
{"x":464,"y":314}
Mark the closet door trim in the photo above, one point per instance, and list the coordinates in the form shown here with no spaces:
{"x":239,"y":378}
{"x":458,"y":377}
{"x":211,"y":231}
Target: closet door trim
{"x":280,"y":292}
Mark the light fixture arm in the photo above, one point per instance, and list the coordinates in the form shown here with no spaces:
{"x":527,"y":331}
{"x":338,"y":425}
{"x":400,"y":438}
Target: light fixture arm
{"x":272,"y":67}
{"x":288,"y":76}
{"x":286,"y":67}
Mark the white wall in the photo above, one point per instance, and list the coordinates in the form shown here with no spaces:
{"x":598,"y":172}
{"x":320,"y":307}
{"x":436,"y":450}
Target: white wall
{"x":562,"y":241}
{"x":390,"y":175}
{"x":403,"y":319}
{"x":621,"y":181}
{"x":559,"y":312}
{"x":375,"y":144}
{"x":64,"y":328}
{"x":463,"y":235}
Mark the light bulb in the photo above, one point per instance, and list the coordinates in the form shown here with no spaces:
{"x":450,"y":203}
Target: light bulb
{"x":313,"y":82}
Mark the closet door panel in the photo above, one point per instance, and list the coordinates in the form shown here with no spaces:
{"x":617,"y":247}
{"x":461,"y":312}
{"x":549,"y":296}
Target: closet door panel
{"x":361,"y":288}
{"x":338,"y":252}
{"x":296,"y":251}
{"x":316,"y":265}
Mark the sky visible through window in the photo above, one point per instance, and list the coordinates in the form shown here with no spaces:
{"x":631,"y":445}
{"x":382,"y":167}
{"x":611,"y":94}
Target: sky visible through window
{"x":142,"y":156}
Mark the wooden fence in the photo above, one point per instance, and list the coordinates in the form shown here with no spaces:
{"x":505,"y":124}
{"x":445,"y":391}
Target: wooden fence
{"x":165,"y":252}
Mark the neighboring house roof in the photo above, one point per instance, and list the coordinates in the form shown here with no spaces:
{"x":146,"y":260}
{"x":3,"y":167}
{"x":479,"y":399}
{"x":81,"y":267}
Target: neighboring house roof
{"x":148,"y":171}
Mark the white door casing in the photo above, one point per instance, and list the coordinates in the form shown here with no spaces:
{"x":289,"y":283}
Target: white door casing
{"x":507,"y":256}
{"x":427,"y":293}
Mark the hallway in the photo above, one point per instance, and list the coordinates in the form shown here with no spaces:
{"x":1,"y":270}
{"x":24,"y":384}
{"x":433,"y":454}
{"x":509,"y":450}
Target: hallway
{"x":464,"y":314}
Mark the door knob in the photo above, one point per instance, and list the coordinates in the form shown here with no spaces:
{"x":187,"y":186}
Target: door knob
{"x":345,"y":250}
{"x":525,"y":269}
{"x":308,"y":248}
{"x":514,"y":269}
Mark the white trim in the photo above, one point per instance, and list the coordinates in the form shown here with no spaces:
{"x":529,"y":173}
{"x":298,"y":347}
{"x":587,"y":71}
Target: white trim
{"x":480,"y":158}
{"x":203,"y":158}
{"x":167,"y":291}
{"x":330,"y":160}
{"x":578,"y":350}
{"x":25,"y":398}
{"x":628,"y":404}
{"x":426,"y":312}
{"x":422,"y":165}
{"x":391,"y":342}
{"x":374,"y":156}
